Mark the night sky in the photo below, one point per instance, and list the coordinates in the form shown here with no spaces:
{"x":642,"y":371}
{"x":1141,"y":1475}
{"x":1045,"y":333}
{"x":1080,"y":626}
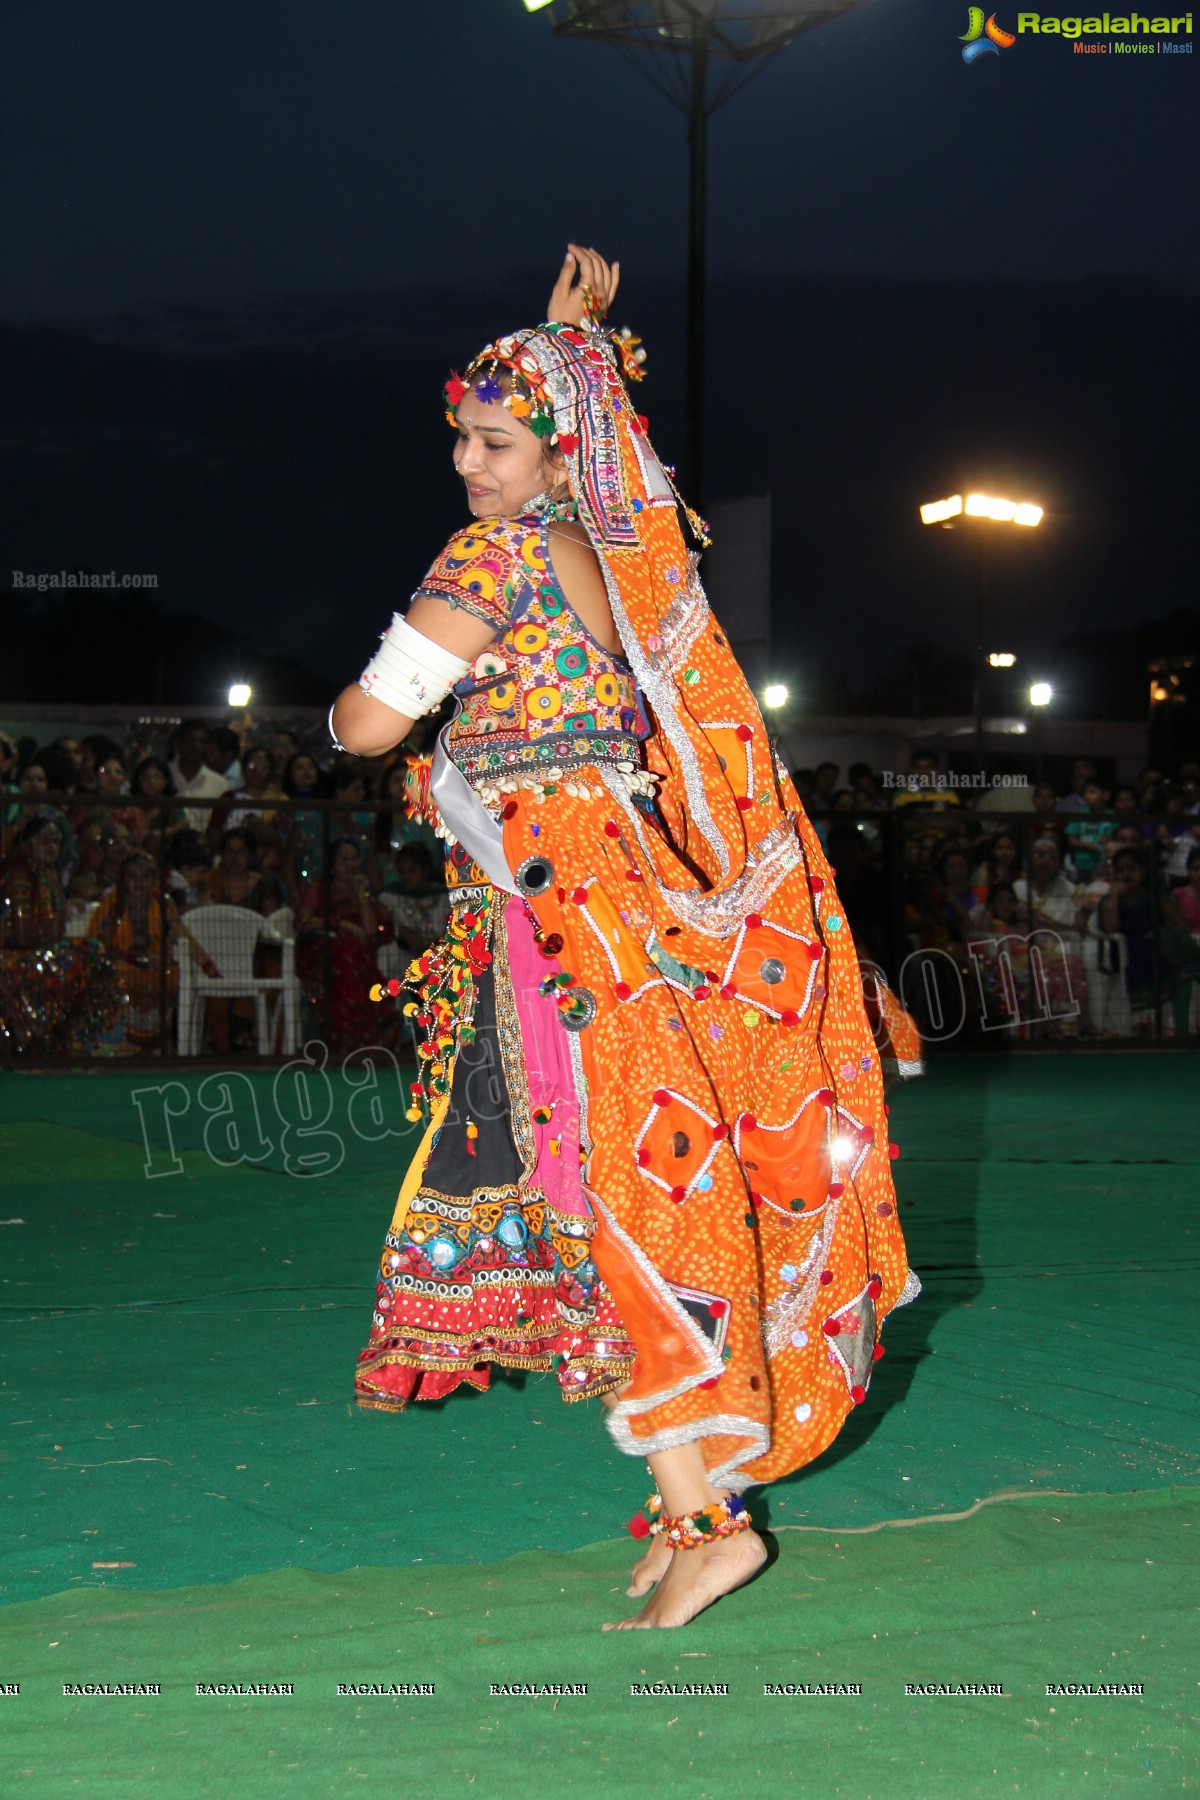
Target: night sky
{"x":245,"y":240}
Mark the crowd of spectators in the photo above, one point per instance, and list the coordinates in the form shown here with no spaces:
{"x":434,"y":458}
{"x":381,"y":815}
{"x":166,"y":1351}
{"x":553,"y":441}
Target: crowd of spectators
{"x":1075,"y":908}
{"x":107,"y":852}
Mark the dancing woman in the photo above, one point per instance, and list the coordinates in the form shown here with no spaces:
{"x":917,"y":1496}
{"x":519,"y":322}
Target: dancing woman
{"x":684,"y":1202}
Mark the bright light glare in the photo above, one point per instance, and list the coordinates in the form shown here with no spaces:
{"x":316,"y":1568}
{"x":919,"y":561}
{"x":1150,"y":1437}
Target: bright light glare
{"x":843,"y":1146}
{"x":1041,"y":694}
{"x":934,"y":511}
{"x":239,"y":694}
{"x":987,"y":506}
{"x":1027,"y":514}
{"x":537,"y":5}
{"x":1002,"y":659}
{"x":775,"y":695}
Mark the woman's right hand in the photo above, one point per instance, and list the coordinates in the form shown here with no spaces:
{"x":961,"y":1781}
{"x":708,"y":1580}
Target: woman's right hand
{"x":568,"y":304}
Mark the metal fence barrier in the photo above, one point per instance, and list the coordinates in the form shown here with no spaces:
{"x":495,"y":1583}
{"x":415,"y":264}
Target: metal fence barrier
{"x":194,"y":929}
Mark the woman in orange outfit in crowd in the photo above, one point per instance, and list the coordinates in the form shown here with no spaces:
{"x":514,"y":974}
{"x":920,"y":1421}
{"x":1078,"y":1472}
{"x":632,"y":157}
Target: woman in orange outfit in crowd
{"x":682,"y":1200}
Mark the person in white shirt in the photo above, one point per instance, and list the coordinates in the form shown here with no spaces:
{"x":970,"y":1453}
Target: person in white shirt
{"x":193,"y":779}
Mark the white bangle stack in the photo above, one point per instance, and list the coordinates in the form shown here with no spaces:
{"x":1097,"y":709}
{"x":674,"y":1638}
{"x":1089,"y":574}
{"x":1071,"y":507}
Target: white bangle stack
{"x":409,"y":672}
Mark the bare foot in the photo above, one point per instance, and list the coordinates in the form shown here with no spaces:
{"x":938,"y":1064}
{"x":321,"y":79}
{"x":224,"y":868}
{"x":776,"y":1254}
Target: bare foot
{"x":695,"y":1578}
{"x":650,"y":1568}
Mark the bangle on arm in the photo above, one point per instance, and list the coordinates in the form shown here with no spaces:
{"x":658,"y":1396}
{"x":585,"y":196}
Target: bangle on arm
{"x":409,"y":672}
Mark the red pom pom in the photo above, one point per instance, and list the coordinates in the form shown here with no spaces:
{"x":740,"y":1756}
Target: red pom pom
{"x":832,"y":1327}
{"x":748,"y":1122}
{"x":729,"y":992}
{"x":568,"y":443}
{"x":393,"y":987}
{"x":744,"y":803}
{"x":874,"y":1287}
{"x":662,"y":1097}
{"x":887,"y":1111}
{"x":702,"y":992}
{"x":623,"y":991}
{"x":789,"y":1017}
{"x":816,"y":885}
{"x":679,"y":1195}
{"x":744,"y":733}
{"x":720,"y":1131}
{"x":717,"y":1309}
{"x":876,"y":1353}
{"x":753,"y":921}
{"x":711,"y":977}
{"x":580,"y":896}
{"x":710,"y":1383}
{"x":633,"y":875}
{"x":858,"y":1394}
{"x":469,"y":919}
{"x":893,"y":1151}
{"x":562,"y":895}
{"x":643,"y":1157}
{"x":638,"y":1526}
{"x":826,"y":1277}
{"x":509,"y":810}
{"x":816,"y":952}
{"x":825,"y":1097}
{"x":867,"y":1134}
{"x":456,"y":387}
{"x":836,"y":1189}
{"x":612,"y":829}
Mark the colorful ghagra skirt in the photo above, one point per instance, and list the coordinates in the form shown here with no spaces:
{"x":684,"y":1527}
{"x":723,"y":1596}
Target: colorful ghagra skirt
{"x":489,"y":1256}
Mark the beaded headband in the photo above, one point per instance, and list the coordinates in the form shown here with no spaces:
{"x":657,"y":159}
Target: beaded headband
{"x":526,"y":397}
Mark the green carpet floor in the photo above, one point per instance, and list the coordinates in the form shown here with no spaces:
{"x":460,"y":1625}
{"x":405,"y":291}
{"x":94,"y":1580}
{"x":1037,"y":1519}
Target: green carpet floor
{"x":1023,"y":1594}
{"x":179,"y":1329}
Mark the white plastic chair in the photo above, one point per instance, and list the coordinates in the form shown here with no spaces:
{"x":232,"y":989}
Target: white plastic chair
{"x":228,"y":936}
{"x":79,"y":917}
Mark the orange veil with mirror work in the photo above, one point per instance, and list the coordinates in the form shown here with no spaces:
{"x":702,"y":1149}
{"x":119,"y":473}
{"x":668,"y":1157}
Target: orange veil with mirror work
{"x":734,"y":1142}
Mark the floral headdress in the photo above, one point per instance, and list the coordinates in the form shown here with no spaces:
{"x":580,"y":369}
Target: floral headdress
{"x":525,"y":394}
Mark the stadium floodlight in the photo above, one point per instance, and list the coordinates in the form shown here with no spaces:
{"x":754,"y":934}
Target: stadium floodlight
{"x":935,"y":512}
{"x":698,"y":54}
{"x":1041,"y":694}
{"x":1001,"y":659}
{"x":775,"y":696}
{"x":239,"y":693}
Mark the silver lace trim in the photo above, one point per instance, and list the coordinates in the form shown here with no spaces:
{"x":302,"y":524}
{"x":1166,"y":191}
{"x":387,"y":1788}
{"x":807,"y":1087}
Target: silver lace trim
{"x":722,"y":912}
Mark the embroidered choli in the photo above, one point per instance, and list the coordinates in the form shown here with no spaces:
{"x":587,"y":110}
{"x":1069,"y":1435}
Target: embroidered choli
{"x":545,"y":697}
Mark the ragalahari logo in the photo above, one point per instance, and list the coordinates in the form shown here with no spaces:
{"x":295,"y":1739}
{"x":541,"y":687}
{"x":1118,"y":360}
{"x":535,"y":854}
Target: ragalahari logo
{"x":984,"y":38}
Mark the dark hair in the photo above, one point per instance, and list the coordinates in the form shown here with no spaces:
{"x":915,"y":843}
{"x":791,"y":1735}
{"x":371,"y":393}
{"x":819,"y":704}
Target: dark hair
{"x":186,"y":725}
{"x":944,"y":855}
{"x":860,"y":771}
{"x":822,"y":766}
{"x":243,"y":837}
{"x":289,"y":778}
{"x":1001,"y":887}
{"x":102,"y":747}
{"x":345,"y":771}
{"x":415,"y":852}
{"x":61,"y":774}
{"x":35,"y":826}
{"x":222,"y":738}
{"x":1128,"y":854}
{"x":151,"y":762}
{"x":188,"y":846}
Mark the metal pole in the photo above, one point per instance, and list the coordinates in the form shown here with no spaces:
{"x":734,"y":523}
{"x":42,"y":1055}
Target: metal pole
{"x":980,"y":645}
{"x":693,"y":475}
